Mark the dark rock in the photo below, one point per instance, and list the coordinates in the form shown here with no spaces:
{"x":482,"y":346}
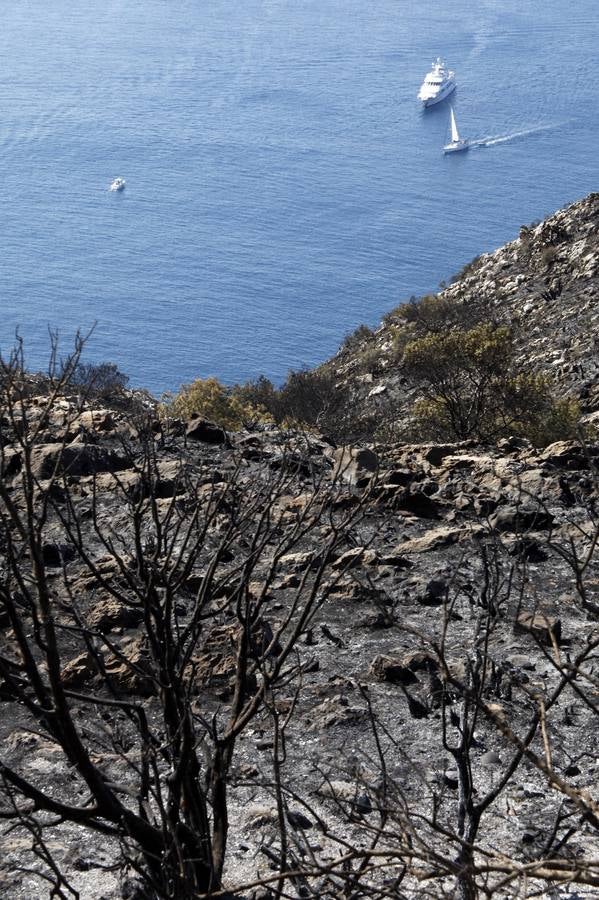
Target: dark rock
{"x":75,"y":459}
{"x":450,"y":779}
{"x":529,"y":549}
{"x":521,"y":518}
{"x":435,"y":593}
{"x":362,"y":805}
{"x":418,"y":503}
{"x":298,"y":820}
{"x":436,"y":453}
{"x":10,"y":462}
{"x":392,"y":669}
{"x":490,"y":758}
{"x":200,"y":429}
{"x":399,"y":477}
{"x":56,"y":555}
{"x":484,"y":506}
{"x":417,"y":709}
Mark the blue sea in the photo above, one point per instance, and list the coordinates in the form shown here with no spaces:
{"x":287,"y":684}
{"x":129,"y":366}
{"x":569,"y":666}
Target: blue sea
{"x":283,"y":184}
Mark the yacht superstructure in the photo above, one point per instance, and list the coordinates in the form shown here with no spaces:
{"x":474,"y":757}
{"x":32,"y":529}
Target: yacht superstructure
{"x":438,"y":84}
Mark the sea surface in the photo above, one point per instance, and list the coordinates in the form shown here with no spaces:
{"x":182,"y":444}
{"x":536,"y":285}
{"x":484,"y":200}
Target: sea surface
{"x":283,"y":184}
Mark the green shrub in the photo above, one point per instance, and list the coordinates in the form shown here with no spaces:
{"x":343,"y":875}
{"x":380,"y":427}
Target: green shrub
{"x":532,"y":411}
{"x":471,"y":390}
{"x":208,"y":398}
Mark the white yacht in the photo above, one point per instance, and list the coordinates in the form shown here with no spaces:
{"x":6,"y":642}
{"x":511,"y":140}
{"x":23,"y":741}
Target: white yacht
{"x":457,"y":143}
{"x":437,"y":85}
{"x":118,"y":184}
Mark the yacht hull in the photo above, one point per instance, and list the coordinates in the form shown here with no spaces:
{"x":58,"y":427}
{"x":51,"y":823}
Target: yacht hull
{"x":438,"y":98}
{"x":458,"y":147}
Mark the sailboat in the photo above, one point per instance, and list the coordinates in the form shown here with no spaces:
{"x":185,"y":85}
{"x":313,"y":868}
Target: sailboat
{"x":457,"y":143}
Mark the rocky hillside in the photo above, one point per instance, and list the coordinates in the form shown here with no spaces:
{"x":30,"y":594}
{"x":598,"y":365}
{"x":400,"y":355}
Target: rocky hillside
{"x":545,"y":285}
{"x":257,"y":664}
{"x":447,"y":661}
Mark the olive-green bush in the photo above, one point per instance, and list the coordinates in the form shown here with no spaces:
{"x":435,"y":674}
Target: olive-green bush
{"x":470,"y":388}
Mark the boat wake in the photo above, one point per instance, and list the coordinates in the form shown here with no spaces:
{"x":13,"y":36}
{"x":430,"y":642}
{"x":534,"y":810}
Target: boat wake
{"x":504,"y":138}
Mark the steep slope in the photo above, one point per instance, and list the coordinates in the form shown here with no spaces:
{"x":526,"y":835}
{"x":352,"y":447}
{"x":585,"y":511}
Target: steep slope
{"x":544,"y":284}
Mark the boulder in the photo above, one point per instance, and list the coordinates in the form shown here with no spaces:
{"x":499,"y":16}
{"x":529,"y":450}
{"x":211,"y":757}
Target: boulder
{"x":10,"y":462}
{"x":110,"y":613}
{"x":399,"y":477}
{"x":74,"y":459}
{"x":518,"y":518}
{"x":357,"y":556}
{"x":392,"y":669}
{"x":199,"y":429}
{"x":434,"y":592}
{"x":434,"y":454}
{"x":169,"y":481}
{"x":131,"y":669}
{"x":127,"y":482}
{"x":435,"y":538}
{"x":298,"y":562}
{"x":78,"y":671}
{"x":355,"y":464}
{"x":569,"y":455}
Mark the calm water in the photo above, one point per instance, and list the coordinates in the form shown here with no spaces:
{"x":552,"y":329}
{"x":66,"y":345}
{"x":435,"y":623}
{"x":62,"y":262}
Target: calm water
{"x":283,"y":184}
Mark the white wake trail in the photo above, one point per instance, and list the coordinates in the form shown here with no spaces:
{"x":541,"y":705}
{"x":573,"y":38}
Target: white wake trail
{"x":503,"y":138}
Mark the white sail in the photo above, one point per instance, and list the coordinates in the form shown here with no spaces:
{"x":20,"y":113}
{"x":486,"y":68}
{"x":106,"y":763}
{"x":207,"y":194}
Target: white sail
{"x":455,"y":135}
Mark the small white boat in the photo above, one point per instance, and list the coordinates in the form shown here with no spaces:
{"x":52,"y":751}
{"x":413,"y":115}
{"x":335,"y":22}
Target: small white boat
{"x":118,"y":184}
{"x":438,"y":84}
{"x":457,"y":143}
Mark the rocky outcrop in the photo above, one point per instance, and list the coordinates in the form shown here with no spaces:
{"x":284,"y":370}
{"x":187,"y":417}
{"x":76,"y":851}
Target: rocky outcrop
{"x":544,"y":285}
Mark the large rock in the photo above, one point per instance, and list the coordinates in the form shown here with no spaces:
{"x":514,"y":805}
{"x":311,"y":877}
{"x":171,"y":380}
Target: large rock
{"x":357,"y":556}
{"x":355,"y":464}
{"x":517,"y":518}
{"x":569,"y":455}
{"x":199,"y":429}
{"x":75,"y":459}
{"x":436,"y":538}
{"x":392,"y":669}
{"x":131,"y":669}
{"x":109,"y":613}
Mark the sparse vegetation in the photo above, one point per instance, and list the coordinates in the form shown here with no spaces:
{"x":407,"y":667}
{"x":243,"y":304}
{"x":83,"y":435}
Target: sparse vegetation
{"x":307,"y":399}
{"x":101,"y":379}
{"x":356,"y":339}
{"x":471,"y":390}
{"x":229,"y":407}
